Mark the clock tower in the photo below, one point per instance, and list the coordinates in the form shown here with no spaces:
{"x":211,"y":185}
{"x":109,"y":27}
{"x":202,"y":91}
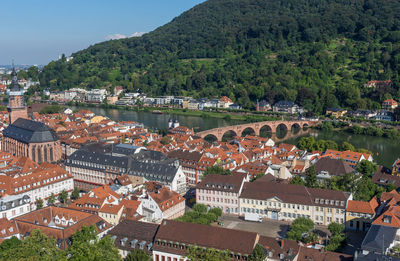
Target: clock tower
{"x":16,"y":106}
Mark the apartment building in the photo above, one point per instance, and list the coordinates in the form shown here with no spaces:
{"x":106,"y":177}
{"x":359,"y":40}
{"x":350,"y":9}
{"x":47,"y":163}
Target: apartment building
{"x":287,"y":202}
{"x":221,"y":191}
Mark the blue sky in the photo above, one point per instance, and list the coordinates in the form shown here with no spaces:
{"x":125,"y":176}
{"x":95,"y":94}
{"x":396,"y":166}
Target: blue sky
{"x":38,"y":31}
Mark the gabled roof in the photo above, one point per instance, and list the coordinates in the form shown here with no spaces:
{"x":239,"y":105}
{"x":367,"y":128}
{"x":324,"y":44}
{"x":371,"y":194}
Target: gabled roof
{"x":29,"y":131}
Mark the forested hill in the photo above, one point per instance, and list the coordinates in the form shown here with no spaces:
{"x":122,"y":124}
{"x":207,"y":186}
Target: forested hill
{"x":319,"y":53}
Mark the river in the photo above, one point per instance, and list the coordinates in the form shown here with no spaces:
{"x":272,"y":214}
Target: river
{"x":385,"y":151}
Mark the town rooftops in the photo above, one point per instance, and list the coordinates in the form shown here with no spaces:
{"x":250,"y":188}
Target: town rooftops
{"x":228,"y":183}
{"x":28,"y":131}
{"x":182,"y":233}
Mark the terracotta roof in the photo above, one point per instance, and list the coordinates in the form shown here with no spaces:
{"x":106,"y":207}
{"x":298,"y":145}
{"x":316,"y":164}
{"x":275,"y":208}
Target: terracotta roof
{"x":45,"y":219}
{"x":279,"y":247}
{"x":110,"y":209}
{"x":8,"y":228}
{"x":360,"y":207}
{"x":166,"y":198}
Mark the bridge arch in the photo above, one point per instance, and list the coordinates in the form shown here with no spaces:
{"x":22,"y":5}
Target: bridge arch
{"x":305,"y":126}
{"x":265,"y":131}
{"x":228,"y":135}
{"x":282,"y":126}
{"x":295,"y":127}
{"x":248,"y":131}
{"x":210,"y":138}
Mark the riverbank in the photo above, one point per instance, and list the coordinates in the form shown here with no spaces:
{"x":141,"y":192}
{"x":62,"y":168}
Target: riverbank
{"x":221,"y":114}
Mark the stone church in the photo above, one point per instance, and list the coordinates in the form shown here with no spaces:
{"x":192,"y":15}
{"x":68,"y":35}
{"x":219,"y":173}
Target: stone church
{"x":25,"y":137}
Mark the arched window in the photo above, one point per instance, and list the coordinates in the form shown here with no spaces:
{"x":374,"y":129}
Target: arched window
{"x":33,"y":153}
{"x":39,"y":154}
{"x":45,"y":154}
{"x":51,"y":154}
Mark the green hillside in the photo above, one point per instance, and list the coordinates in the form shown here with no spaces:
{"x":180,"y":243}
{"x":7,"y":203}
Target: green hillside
{"x":318,"y":53}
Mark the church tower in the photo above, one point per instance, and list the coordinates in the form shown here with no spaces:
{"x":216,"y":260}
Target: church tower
{"x":16,"y":105}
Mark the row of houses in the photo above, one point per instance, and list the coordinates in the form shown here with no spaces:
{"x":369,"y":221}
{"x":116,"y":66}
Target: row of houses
{"x":270,"y":198}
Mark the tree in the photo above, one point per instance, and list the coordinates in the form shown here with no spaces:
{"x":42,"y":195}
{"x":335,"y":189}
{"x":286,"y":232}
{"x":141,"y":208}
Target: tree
{"x":51,"y":199}
{"x":39,"y":203}
{"x":63,"y":196}
{"x":200,"y":208}
{"x":366,"y":168}
{"x":37,"y":246}
{"x":300,"y":229}
{"x":311,"y":178}
{"x":297,"y":180}
{"x":196,"y":253}
{"x":75,"y":193}
{"x":306,"y":143}
{"x":166,"y":140}
{"x":10,"y":243}
{"x":258,"y":254}
{"x":216,"y":169}
{"x":336,"y":228}
{"x":87,"y":246}
{"x":347,"y":146}
{"x":216,"y":211}
{"x":138,"y":255}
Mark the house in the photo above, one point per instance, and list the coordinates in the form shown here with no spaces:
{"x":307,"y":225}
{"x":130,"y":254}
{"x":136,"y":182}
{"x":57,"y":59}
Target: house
{"x":8,"y":229}
{"x":224,"y":102}
{"x":12,"y":206}
{"x":378,"y":84}
{"x":389,"y":104}
{"x":129,"y":235}
{"x":59,"y":223}
{"x":111,"y":213}
{"x":221,"y":191}
{"x":235,"y":106}
{"x":287,"y":107}
{"x":335,"y":112}
{"x":350,"y":157}
{"x":380,"y":239}
{"x":360,"y":214}
{"x":193,"y":105}
{"x":174,"y":238}
{"x":189,"y":161}
{"x":263,"y":106}
{"x":384,"y":115}
{"x":326,"y":168}
{"x":161,"y":204}
{"x":118,"y":90}
{"x":287,"y":202}
{"x":383,"y":177}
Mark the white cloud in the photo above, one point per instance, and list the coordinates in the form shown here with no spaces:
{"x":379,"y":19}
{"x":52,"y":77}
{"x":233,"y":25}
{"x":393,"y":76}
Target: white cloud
{"x":137,"y":34}
{"x":115,"y":36}
{"x":122,"y":36}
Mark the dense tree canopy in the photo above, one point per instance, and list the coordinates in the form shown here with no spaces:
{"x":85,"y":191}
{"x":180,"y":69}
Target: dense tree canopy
{"x":316,"y":53}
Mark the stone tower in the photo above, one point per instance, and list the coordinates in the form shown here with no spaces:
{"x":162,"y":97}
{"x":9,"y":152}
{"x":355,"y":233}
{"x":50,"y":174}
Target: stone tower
{"x":16,"y":105}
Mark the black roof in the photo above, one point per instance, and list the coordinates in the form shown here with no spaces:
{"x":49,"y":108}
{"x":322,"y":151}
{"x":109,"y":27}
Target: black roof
{"x":29,"y":131}
{"x":285,"y":104}
{"x":378,"y":238}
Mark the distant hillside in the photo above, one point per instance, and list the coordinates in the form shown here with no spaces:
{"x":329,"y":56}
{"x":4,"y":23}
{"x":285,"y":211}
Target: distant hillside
{"x":318,"y":53}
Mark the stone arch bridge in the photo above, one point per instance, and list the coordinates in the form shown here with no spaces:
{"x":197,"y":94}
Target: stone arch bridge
{"x":256,"y":127}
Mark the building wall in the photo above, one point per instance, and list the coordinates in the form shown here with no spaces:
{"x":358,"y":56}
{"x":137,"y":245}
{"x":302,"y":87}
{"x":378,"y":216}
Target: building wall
{"x":227,"y":201}
{"x":358,"y":221}
{"x":113,"y":219}
{"x":164,"y":256}
{"x":174,"y":212}
{"x":38,"y":152}
{"x":276,"y":209}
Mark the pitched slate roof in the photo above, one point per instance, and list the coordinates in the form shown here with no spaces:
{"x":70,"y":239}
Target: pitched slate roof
{"x":204,"y":236}
{"x":335,"y":167}
{"x":227,"y":183}
{"x":29,"y":131}
{"x":378,"y":237}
